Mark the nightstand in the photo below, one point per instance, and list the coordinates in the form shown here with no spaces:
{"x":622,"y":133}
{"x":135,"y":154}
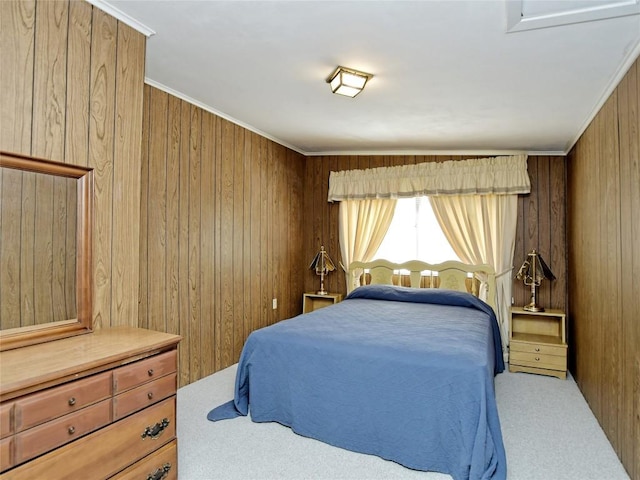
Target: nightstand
{"x":538,"y":342}
{"x":313,"y":301}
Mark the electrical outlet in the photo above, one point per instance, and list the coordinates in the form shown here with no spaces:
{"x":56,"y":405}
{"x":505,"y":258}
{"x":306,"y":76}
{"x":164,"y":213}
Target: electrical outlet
{"x":275,"y":303}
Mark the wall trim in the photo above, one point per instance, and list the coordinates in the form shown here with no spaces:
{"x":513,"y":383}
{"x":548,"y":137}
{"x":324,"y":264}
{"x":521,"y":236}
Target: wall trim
{"x":632,"y":56}
{"x":186,"y":98}
{"x":123,"y":17}
{"x":342,"y":153}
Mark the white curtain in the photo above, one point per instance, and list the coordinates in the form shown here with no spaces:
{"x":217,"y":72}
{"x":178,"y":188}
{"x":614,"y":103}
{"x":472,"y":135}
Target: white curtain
{"x":475,"y":201}
{"x":363,"y":225}
{"x":495,"y":175}
{"x":482,"y":229}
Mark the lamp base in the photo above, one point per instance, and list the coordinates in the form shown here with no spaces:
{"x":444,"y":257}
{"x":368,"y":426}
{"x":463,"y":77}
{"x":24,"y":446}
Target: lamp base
{"x":321,"y":292}
{"x":532,"y":307}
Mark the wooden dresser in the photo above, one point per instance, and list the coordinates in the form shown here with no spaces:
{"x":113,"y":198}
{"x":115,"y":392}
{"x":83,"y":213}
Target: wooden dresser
{"x":99,"y":405}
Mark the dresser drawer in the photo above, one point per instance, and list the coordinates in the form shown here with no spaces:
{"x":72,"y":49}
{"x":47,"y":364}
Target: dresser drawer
{"x":48,"y":404}
{"x":537,"y":348}
{"x":143,"y":396}
{"x":6,"y":423}
{"x":103,"y":453}
{"x":135,"y":374}
{"x":162,"y":464}
{"x":552,"y":362}
{"x":6,"y":457}
{"x":55,"y":433}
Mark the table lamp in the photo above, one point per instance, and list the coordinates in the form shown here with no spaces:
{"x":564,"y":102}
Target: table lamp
{"x":322,"y":264}
{"x":532,"y":272}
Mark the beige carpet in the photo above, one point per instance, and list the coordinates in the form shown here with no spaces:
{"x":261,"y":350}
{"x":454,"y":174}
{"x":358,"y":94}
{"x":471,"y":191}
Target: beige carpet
{"x":548,"y":430}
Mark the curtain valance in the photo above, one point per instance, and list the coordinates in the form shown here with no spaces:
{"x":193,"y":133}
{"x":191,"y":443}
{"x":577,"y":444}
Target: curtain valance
{"x":495,"y":175}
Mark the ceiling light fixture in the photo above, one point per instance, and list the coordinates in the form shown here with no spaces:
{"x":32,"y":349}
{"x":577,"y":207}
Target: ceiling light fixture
{"x":348,"y":82}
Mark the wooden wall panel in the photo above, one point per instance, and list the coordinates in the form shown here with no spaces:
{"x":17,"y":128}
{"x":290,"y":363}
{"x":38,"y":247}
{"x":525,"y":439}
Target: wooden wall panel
{"x":603,"y":228}
{"x":195,"y":206}
{"x":226,"y":242}
{"x":174,"y":116}
{"x":11,"y":313}
{"x":101,"y":138}
{"x":237,"y":239}
{"x":126,"y":174}
{"x":143,"y":283}
{"x":49,"y":80}
{"x":72,"y":82}
{"x":265,"y":228}
{"x":541,"y":225}
{"x":79,"y":75}
{"x":541,"y":218}
{"x":207,"y":219}
{"x":156,"y":218}
{"x":42,"y":253}
{"x":221,"y":210}
{"x":17,"y":37}
{"x":256,"y":222}
{"x":37,"y":249}
{"x":248,"y":141}
{"x":27,"y":242}
{"x":184,"y":324}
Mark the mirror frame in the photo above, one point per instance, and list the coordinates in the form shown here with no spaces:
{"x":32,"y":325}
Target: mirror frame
{"x":33,"y":334}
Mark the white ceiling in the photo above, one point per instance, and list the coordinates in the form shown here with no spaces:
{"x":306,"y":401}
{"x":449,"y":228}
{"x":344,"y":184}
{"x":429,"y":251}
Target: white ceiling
{"x":463,"y":76}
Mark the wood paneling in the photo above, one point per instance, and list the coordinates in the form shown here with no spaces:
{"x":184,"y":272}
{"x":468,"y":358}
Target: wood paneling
{"x":72,"y":81}
{"x":541,"y":218}
{"x":541,"y":225}
{"x":215,"y":221}
{"x":221,"y":217}
{"x":126,"y":174}
{"x":37,"y":249}
{"x":17,"y":35}
{"x":603,"y":228}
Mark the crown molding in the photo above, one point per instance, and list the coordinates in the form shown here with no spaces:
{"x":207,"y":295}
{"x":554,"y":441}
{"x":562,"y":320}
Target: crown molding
{"x":342,"y":153}
{"x":491,"y":153}
{"x":123,"y":17}
{"x":632,"y":55}
{"x":203,"y":106}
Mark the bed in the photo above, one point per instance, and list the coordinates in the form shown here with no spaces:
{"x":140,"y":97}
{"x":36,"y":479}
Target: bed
{"x":403,"y":368}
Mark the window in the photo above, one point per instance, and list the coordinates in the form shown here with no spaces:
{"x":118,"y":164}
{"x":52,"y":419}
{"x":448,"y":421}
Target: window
{"x":415,"y":234}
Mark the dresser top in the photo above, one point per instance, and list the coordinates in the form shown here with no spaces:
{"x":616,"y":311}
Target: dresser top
{"x":32,"y":368}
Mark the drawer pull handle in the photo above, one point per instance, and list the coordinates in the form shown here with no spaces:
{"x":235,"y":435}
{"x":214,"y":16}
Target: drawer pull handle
{"x":155,"y":431}
{"x":537,"y":349}
{"x":72,"y":401}
{"x":160,"y":473}
{"x":150,"y":372}
{"x":150,"y":395}
{"x":537,"y":359}
{"x":72,"y":430}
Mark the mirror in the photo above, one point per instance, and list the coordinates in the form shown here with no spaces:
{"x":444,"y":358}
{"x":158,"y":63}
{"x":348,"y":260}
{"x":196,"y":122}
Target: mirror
{"x":45,"y":250}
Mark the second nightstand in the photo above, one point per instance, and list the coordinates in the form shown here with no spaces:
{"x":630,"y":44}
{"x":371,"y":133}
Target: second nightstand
{"x":313,"y":301}
{"x":538,"y":342}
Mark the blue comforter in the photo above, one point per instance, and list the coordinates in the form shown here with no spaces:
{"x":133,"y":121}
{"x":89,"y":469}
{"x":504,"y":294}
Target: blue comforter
{"x":405,"y":374}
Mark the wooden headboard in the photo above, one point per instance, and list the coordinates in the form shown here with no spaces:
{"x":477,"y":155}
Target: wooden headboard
{"x":452,"y":275}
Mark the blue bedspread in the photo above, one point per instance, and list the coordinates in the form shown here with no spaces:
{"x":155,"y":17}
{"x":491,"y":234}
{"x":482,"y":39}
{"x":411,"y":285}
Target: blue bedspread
{"x":405,"y":374}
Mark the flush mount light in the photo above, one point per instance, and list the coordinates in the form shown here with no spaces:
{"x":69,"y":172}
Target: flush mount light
{"x":348,"y":82}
